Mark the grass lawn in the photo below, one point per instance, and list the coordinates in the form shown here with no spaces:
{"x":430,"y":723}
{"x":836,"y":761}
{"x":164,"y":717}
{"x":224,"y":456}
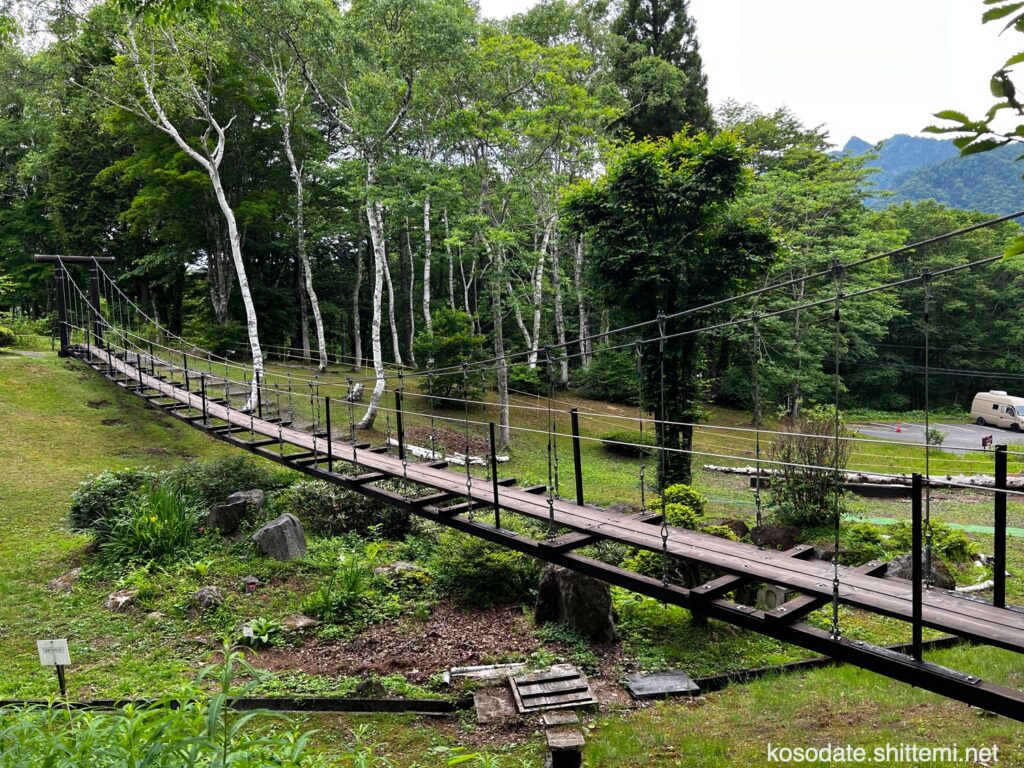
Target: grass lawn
{"x":63,"y":423}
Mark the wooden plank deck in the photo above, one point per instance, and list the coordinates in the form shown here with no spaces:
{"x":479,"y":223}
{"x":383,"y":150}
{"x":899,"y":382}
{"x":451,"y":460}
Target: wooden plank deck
{"x":943,"y":611}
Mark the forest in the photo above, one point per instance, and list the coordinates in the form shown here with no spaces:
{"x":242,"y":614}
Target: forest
{"x":406,"y":183}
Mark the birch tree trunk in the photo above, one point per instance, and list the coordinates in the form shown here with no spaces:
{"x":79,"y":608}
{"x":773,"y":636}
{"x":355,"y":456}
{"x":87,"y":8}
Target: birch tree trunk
{"x":209,"y":159}
{"x":408,"y":277}
{"x":586,"y":342}
{"x":303,"y":313}
{"x":556,"y":283}
{"x":520,"y":322}
{"x":428,"y":321}
{"x":357,"y":331}
{"x":451,"y":262}
{"x":307,"y":272}
{"x":538,"y":291}
{"x":396,"y":352}
{"x":375,"y":220}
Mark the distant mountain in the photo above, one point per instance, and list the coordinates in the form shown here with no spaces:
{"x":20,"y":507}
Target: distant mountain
{"x":914,"y":168}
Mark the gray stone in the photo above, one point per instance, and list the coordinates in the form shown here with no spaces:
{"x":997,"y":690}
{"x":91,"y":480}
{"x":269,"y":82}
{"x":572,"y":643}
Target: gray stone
{"x":282,"y":538}
{"x":776,"y":536}
{"x":255,"y":498}
{"x":392,"y":569}
{"x":120,"y":601}
{"x":901,"y":567}
{"x":370,"y":689}
{"x":661,"y":684}
{"x":495,"y":706}
{"x":299,"y":623}
{"x":206,"y":598}
{"x":66,"y":582}
{"x":226,"y":518}
{"x":578,"y":601}
{"x":249,"y":584}
{"x":155,"y":616}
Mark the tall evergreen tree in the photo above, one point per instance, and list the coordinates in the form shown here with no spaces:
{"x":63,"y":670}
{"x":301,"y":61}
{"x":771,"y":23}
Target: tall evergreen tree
{"x":656,"y":62}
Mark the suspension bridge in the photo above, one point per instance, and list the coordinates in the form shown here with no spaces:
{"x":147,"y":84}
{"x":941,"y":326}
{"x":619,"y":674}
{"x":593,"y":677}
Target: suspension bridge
{"x":103,"y":328}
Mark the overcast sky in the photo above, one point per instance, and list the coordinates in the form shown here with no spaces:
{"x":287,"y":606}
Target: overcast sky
{"x":870,"y":68}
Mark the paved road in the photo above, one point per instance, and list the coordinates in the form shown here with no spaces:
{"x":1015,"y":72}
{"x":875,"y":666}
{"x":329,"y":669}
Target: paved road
{"x":959,"y":437}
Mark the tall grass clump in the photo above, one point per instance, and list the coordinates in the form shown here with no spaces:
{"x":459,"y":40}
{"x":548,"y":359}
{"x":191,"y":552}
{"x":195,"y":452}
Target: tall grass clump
{"x":156,"y":524}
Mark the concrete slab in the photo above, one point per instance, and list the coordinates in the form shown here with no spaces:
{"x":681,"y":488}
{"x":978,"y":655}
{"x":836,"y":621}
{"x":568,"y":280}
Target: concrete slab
{"x":659,"y":685}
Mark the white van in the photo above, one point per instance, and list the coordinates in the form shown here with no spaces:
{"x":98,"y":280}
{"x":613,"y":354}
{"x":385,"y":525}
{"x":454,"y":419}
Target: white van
{"x":998,"y":409}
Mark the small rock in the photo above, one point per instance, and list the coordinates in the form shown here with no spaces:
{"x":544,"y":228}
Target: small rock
{"x":120,"y":601}
{"x":249,"y":584}
{"x":578,"y":601}
{"x":65,"y":582}
{"x":206,"y":598}
{"x":282,"y":538}
{"x":155,"y":616}
{"x":901,"y":567}
{"x":299,"y":623}
{"x":396,"y":568}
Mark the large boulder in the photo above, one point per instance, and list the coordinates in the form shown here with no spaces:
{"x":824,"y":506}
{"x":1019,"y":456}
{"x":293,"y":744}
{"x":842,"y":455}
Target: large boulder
{"x":776,"y":536}
{"x":901,"y":567}
{"x":228,"y":517}
{"x":578,"y":601}
{"x":282,"y":538}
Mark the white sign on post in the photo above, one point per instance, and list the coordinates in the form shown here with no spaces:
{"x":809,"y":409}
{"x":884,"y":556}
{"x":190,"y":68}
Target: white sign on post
{"x":53,"y":653}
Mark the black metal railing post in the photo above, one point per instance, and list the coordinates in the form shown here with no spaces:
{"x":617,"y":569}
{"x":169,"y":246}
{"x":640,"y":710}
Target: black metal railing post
{"x":577,"y":460}
{"x":327,"y":414}
{"x":494,"y":478}
{"x":206,"y":410}
{"x":94,"y":298}
{"x":916,"y":570}
{"x":152,"y":360}
{"x":999,"y":555}
{"x":138,"y":369}
{"x":401,"y":423}
{"x":59,"y":279}
{"x":259,"y":394}
{"x":184,"y":368}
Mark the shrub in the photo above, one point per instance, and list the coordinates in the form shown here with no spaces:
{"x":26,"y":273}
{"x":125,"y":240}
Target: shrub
{"x":331,"y":511}
{"x":7,"y":337}
{"x":262,"y":633}
{"x":208,"y":483}
{"x":721,"y":531}
{"x":935,"y":436}
{"x":448,"y":344}
{"x":861,"y":543}
{"x":687,"y":495}
{"x":348,"y":586}
{"x":156,"y":524}
{"x":951,"y":544}
{"x":523,"y":378}
{"x":680,"y":515}
{"x":628,"y":443}
{"x":802,"y":494}
{"x":611,"y":376}
{"x":476,"y":572}
{"x":104,"y":495}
